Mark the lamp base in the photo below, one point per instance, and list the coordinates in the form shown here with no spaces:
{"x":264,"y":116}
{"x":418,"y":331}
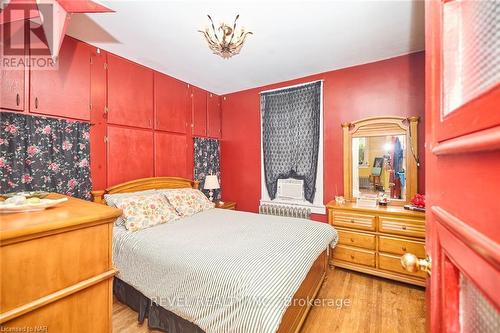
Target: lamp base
{"x":211,"y":193}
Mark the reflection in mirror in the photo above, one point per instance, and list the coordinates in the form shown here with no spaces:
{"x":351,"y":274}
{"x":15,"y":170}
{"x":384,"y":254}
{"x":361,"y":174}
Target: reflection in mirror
{"x":379,"y":166}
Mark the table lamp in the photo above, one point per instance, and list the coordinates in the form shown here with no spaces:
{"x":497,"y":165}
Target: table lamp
{"x":211,"y":183}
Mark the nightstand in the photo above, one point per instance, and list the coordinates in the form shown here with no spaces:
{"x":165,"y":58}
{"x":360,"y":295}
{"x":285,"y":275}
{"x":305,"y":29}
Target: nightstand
{"x":226,"y":205}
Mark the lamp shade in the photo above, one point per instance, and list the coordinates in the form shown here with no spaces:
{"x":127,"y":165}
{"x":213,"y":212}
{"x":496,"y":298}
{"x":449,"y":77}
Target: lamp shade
{"x":211,"y":182}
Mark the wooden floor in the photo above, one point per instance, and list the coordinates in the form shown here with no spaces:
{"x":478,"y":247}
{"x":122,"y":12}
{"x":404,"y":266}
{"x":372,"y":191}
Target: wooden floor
{"x":375,"y":305}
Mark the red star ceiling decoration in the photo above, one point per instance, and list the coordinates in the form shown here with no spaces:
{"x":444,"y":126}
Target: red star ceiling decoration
{"x":52,"y":15}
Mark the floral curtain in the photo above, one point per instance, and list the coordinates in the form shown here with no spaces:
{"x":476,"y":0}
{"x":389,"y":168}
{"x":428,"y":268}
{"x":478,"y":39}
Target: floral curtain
{"x":207,"y":162}
{"x":46,"y":154}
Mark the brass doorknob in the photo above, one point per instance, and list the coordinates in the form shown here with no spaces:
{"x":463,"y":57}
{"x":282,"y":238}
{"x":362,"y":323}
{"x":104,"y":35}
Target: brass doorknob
{"x":412,"y":264}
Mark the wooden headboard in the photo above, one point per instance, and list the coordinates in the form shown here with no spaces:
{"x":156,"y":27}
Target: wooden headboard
{"x":145,"y":184}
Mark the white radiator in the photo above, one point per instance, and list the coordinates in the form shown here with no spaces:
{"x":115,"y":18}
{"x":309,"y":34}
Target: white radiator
{"x":281,"y":210}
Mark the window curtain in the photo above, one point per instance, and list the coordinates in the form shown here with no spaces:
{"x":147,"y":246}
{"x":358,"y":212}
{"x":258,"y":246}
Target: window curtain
{"x":207,"y":162}
{"x":290,"y":136}
{"x":44,"y":154}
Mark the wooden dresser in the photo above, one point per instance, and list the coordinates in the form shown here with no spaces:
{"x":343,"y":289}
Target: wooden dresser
{"x":56,"y":268}
{"x":372,"y":240}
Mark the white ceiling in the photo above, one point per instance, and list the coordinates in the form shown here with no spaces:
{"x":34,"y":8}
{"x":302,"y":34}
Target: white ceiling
{"x":291,"y":38}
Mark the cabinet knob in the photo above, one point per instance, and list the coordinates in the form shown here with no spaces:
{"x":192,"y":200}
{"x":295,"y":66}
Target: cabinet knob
{"x":403,"y":227}
{"x":352,"y":221}
{"x":352,"y":240}
{"x":352,"y":256}
{"x":403,"y":248}
{"x":18,"y":99}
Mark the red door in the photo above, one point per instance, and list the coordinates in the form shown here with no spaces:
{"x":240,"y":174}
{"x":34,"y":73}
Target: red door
{"x":170,"y":154}
{"x":199,"y":107}
{"x":130,"y":154}
{"x":171,"y":103}
{"x":13,"y":79}
{"x":130,"y":93}
{"x":98,"y":119}
{"x":463,"y":165}
{"x":213,"y":116}
{"x":64,"y":92}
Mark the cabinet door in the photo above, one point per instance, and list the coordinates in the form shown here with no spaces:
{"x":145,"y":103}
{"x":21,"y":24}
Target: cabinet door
{"x":171,"y":103}
{"x":170,"y":154}
{"x":64,"y":92}
{"x":199,"y":110}
{"x":130,"y":93}
{"x":214,"y":116}
{"x":12,"y":88}
{"x":130,"y":154}
{"x":13,"y":73}
{"x":98,"y":118}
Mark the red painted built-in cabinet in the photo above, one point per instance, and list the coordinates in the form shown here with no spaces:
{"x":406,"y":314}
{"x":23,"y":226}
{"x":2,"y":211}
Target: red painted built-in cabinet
{"x":64,"y":92}
{"x":13,"y":88}
{"x":130,"y":154}
{"x":171,"y":103}
{"x":213,"y":116}
{"x":199,"y":111}
{"x":98,"y":130}
{"x":12,"y":91}
{"x":171,"y":154}
{"x":130,"y":93}
{"x":143,"y":122}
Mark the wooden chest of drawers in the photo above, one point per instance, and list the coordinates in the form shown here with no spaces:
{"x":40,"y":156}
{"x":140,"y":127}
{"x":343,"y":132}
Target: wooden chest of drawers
{"x":56,"y":268}
{"x":372,"y":240}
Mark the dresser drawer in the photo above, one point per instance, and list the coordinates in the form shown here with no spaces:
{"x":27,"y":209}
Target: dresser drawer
{"x":356,"y":256}
{"x":393,"y":263}
{"x":41,"y":266}
{"x":85,"y":311}
{"x":353,"y":220}
{"x":401,"y":246}
{"x":356,"y":239}
{"x":401,"y":226}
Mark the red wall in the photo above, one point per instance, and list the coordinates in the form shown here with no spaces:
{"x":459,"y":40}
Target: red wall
{"x":390,"y":87}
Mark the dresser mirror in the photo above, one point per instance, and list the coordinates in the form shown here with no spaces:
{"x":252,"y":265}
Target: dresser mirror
{"x":380,"y":158}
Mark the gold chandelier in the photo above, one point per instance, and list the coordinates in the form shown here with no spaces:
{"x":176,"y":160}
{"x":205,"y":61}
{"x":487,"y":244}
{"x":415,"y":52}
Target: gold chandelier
{"x":225,"y":41}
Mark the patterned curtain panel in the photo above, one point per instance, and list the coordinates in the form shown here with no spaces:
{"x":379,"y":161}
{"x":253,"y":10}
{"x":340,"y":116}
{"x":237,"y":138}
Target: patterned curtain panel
{"x":290,"y":136}
{"x":207,"y":162}
{"x":44,"y":154}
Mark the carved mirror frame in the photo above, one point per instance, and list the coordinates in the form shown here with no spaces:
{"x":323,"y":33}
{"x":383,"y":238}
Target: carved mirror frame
{"x":383,"y":126}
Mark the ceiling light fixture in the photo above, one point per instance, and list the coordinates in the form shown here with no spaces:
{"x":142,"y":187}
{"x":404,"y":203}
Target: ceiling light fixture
{"x":225,"y":41}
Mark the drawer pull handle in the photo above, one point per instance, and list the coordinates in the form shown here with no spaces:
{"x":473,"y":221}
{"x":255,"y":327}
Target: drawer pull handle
{"x":18,"y":100}
{"x":403,"y":227}
{"x":403,"y":248}
{"x":352,"y":240}
{"x":352,"y":257}
{"x":36,"y":102}
{"x":352,"y":221}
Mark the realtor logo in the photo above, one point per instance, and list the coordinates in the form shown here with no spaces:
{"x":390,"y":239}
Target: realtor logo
{"x":27,"y":35}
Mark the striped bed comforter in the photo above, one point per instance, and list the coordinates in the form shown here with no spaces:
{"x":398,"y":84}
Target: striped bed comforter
{"x":225,"y":271}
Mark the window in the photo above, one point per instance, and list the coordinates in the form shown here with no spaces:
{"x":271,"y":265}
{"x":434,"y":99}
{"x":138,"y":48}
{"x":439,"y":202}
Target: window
{"x":292,"y":146}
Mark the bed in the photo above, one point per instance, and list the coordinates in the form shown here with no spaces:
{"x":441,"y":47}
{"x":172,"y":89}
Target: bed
{"x":219,"y":270}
